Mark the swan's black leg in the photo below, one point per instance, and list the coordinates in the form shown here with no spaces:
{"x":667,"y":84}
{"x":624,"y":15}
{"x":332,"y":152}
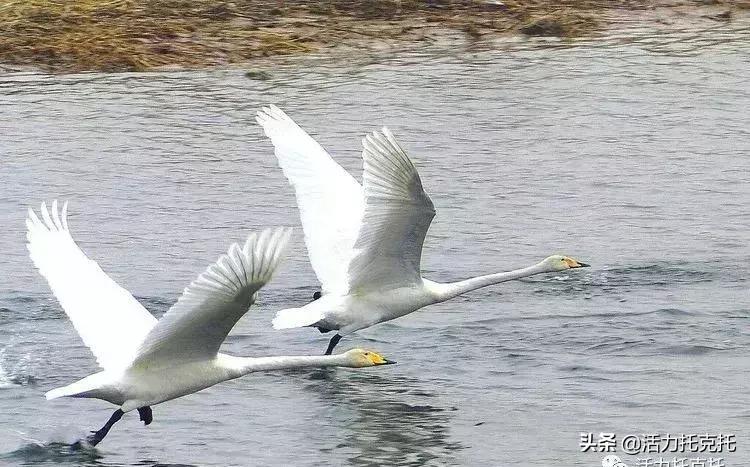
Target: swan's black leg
{"x":331,"y":345}
{"x":317,"y":295}
{"x":146,"y":415}
{"x":96,"y":436}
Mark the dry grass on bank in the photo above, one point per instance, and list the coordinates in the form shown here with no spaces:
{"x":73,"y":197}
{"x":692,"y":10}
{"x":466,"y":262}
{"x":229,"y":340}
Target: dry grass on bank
{"x":137,"y":35}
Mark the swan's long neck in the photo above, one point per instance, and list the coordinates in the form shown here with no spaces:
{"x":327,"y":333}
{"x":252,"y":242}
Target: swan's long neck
{"x":243,"y":365}
{"x":453,"y":289}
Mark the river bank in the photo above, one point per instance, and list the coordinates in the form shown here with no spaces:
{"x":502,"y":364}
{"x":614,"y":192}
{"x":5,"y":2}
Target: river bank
{"x":141,"y":35}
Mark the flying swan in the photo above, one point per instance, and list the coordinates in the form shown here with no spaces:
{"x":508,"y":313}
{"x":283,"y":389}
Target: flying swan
{"x":145,"y":361}
{"x":365,"y":241}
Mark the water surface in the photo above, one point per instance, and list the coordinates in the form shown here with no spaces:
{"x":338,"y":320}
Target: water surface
{"x":631,"y":155}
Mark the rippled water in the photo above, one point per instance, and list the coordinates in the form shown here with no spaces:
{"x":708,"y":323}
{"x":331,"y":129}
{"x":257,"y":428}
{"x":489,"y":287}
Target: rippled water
{"x":630,"y":153}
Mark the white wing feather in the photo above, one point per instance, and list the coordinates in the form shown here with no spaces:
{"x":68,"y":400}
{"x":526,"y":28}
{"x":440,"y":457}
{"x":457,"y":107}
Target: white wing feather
{"x":196,"y":326}
{"x":397,"y":215}
{"x":109,"y":320}
{"x":330,"y":200}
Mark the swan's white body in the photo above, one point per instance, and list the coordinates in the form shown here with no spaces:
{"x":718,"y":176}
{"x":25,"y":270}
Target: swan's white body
{"x":151,"y":384}
{"x":365,"y":241}
{"x":147,"y":361}
{"x":352,"y":312}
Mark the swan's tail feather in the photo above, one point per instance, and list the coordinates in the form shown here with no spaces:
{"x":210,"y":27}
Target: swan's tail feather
{"x":71,"y":390}
{"x":295,"y":318}
{"x":89,"y":386}
{"x":58,"y":392}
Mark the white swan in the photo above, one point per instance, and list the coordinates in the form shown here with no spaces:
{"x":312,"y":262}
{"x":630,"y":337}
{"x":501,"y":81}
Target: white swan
{"x":365,"y":242}
{"x":146,"y":361}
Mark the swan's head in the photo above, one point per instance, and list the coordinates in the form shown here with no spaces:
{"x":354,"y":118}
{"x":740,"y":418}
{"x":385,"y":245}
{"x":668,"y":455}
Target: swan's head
{"x":561,"y":263}
{"x":361,"y":358}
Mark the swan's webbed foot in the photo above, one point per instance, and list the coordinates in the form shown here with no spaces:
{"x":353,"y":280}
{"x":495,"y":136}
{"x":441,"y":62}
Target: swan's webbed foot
{"x":97,"y":436}
{"x":94,"y":438}
{"x":317,"y":295}
{"x":332,"y":344}
{"x":146,"y":415}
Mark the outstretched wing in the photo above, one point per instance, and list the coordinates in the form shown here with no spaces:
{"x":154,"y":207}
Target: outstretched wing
{"x":109,"y":320}
{"x":196,"y":326}
{"x":330,"y":200}
{"x":397,"y":215}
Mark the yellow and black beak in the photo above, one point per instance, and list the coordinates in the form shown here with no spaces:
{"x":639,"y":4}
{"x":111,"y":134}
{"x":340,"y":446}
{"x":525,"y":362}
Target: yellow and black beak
{"x":378,"y":359}
{"x":572,"y":264}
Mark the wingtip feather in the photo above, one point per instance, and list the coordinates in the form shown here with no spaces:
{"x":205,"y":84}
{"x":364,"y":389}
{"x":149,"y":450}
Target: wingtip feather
{"x":252,"y":264}
{"x":52,"y":219}
{"x":64,"y":215}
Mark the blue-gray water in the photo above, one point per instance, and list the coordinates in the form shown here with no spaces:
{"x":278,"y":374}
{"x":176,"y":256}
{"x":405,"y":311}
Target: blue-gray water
{"x":631,"y":155}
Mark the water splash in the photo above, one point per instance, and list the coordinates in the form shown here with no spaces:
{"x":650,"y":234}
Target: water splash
{"x":60,"y":446}
{"x":55,"y":452}
{"x":14,"y":375}
{"x":5,"y":381}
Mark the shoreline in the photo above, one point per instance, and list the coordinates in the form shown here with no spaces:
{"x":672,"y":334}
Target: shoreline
{"x":153,"y":35}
